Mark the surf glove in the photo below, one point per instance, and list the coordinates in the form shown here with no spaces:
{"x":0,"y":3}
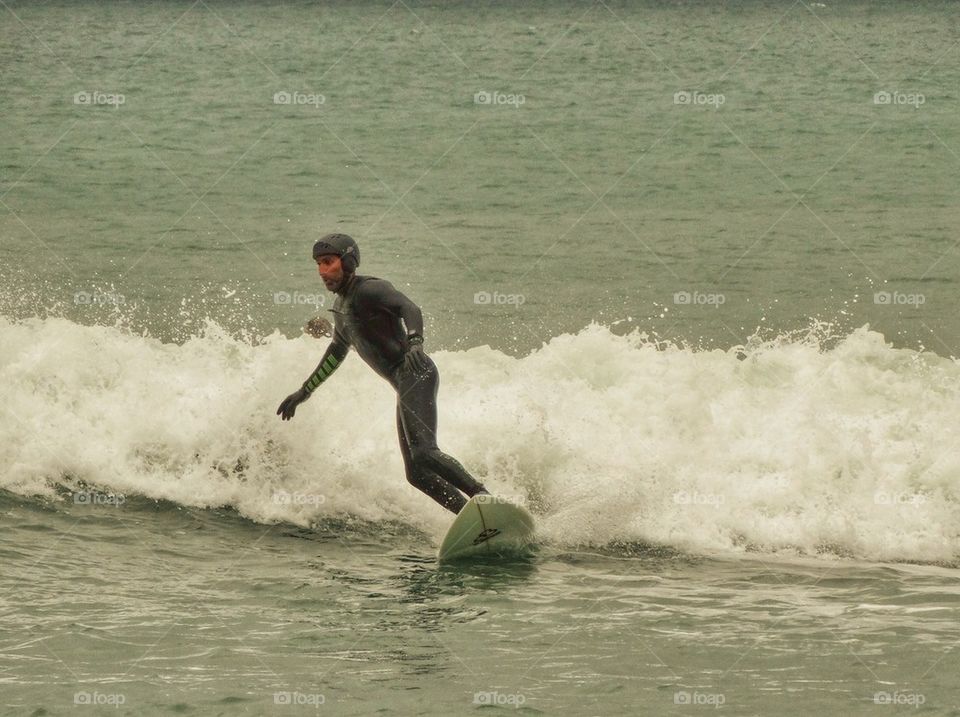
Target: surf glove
{"x":289,"y":406}
{"x":416,"y":359}
{"x":335,"y":353}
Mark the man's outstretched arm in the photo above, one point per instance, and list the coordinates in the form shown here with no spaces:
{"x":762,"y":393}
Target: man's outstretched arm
{"x":334,"y":355}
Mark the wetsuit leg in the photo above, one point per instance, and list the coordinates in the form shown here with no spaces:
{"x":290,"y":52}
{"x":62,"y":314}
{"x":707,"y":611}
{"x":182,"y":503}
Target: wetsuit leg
{"x":417,"y":409}
{"x":427,"y":481}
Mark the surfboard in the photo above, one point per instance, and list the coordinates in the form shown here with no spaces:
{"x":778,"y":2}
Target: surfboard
{"x":486,"y":525}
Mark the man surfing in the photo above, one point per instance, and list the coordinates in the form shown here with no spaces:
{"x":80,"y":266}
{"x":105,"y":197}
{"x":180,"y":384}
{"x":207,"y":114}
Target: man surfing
{"x":386,"y":330}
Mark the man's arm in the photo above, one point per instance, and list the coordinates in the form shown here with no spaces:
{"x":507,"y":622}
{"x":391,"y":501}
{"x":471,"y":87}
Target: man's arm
{"x":332,"y":357}
{"x":399,"y":305}
{"x":383,"y":293}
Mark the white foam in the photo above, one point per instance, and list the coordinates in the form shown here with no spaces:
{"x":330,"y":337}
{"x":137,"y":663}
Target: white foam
{"x":608,"y":438}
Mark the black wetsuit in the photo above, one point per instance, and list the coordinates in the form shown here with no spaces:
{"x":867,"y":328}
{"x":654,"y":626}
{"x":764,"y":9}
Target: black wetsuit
{"x":367,"y":316}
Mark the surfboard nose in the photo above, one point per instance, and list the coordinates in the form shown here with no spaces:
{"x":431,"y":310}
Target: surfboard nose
{"x":487,"y":524}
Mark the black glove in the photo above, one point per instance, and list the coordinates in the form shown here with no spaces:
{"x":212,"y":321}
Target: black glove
{"x":416,"y":359}
{"x":290,"y":403}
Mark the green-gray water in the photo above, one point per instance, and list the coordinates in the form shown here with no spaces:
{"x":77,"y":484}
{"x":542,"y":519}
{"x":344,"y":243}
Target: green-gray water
{"x":689,"y":273}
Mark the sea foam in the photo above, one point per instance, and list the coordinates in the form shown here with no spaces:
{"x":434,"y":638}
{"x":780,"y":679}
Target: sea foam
{"x":782,"y":445}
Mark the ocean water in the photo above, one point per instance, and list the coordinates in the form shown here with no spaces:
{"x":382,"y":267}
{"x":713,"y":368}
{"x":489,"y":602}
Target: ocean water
{"x":688,"y":272}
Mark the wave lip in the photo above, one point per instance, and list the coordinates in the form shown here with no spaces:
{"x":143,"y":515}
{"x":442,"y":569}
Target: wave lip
{"x":791,"y":444}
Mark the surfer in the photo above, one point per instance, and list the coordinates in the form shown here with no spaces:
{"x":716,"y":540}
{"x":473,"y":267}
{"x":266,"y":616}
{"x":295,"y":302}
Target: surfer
{"x":386,"y":330}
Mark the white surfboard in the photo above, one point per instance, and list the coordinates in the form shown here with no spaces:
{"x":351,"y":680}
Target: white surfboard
{"x":487,"y":525}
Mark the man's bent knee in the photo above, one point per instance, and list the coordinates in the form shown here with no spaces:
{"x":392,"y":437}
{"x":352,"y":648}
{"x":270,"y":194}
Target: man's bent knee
{"x":423,"y":457}
{"x":419,"y":480}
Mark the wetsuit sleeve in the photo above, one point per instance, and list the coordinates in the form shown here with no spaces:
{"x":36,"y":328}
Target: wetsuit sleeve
{"x":332,"y":357}
{"x":383,"y":293}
